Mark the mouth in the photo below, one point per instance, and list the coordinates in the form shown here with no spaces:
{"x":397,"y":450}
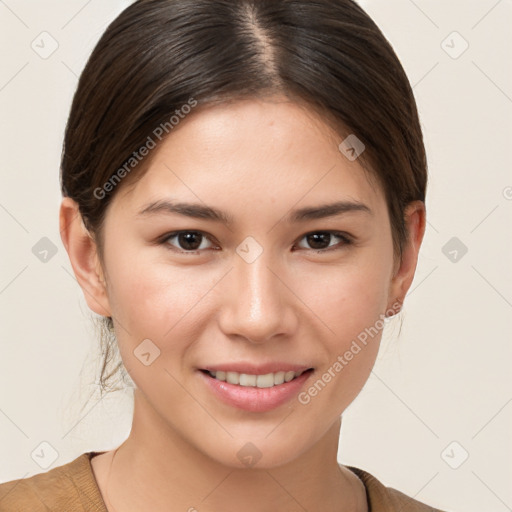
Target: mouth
{"x":267,"y":380}
{"x":255,"y":392}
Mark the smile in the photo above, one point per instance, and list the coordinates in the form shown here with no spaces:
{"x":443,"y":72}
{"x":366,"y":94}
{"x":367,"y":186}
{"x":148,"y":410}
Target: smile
{"x":260,"y":381}
{"x":254,"y":392}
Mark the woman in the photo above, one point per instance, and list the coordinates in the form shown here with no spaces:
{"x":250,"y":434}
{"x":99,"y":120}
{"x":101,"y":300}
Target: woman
{"x":244,"y":198}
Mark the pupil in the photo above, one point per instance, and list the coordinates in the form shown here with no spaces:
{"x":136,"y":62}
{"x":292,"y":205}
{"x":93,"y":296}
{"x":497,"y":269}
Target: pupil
{"x":314,"y":239}
{"x":186,"y":239}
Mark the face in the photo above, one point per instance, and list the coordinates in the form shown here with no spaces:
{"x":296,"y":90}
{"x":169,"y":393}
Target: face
{"x":260,"y":290}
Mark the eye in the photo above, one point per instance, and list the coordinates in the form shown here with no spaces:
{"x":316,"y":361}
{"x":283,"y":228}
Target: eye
{"x":188,"y":241}
{"x":320,"y":240}
{"x":192,"y":242}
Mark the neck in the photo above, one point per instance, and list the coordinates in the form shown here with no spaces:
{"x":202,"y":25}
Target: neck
{"x":156,"y":469}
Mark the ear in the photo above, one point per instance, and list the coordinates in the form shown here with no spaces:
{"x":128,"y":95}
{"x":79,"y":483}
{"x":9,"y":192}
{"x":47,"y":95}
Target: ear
{"x":404,"y":271}
{"x":82,"y":252}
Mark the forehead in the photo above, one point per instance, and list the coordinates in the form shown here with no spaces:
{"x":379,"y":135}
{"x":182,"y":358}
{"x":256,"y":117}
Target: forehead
{"x":234,"y":153}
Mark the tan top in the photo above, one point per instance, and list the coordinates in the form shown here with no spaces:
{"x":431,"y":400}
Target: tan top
{"x":73,"y":488}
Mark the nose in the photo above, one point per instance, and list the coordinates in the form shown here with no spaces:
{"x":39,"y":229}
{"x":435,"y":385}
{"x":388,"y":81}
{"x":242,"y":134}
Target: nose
{"x":258,"y":306}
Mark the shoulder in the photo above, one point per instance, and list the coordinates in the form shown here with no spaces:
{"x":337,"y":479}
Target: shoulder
{"x":70,"y":487}
{"x":386,"y":499}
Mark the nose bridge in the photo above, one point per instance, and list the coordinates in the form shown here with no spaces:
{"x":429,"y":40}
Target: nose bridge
{"x":257,"y":306}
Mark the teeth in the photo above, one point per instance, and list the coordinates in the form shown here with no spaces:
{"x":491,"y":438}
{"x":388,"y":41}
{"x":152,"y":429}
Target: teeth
{"x":247,"y":380}
{"x":260,"y":381}
{"x":231,"y":377}
{"x":288,"y":376}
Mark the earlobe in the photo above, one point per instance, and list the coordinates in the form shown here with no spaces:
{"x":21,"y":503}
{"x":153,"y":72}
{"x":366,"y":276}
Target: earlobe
{"x":403,"y":276}
{"x":83,"y":255}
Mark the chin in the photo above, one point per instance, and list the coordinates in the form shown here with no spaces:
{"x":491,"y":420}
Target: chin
{"x":255,"y":453}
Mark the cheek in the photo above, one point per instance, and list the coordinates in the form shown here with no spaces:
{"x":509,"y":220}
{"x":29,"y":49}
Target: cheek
{"x":348,"y":302}
{"x":346,"y":298}
{"x":157,"y":299}
{"x":160,"y":303}
{"x":350,"y":307}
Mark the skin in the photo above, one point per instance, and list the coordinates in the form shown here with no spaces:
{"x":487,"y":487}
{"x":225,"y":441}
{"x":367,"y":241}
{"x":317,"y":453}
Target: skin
{"x":291,"y":304}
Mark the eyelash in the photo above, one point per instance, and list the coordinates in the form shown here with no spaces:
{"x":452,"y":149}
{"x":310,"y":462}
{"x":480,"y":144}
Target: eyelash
{"x":346,"y":239}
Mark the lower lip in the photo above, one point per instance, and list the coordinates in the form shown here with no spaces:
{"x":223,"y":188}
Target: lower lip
{"x":254,"y":399}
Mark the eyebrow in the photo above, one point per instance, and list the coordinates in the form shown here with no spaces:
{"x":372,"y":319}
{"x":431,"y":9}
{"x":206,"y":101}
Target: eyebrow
{"x":200,"y":211}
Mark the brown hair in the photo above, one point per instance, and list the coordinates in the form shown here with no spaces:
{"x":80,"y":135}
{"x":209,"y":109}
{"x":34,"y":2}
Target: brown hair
{"x":158,"y":55}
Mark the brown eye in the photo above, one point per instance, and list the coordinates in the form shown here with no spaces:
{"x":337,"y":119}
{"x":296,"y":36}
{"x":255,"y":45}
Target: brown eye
{"x":187,"y":241}
{"x":320,"y":241}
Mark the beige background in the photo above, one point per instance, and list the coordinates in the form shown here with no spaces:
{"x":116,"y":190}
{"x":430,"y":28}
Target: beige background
{"x":439,"y":391}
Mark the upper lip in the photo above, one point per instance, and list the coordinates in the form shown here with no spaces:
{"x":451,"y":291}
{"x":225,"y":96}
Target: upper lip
{"x":255,"y":369}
